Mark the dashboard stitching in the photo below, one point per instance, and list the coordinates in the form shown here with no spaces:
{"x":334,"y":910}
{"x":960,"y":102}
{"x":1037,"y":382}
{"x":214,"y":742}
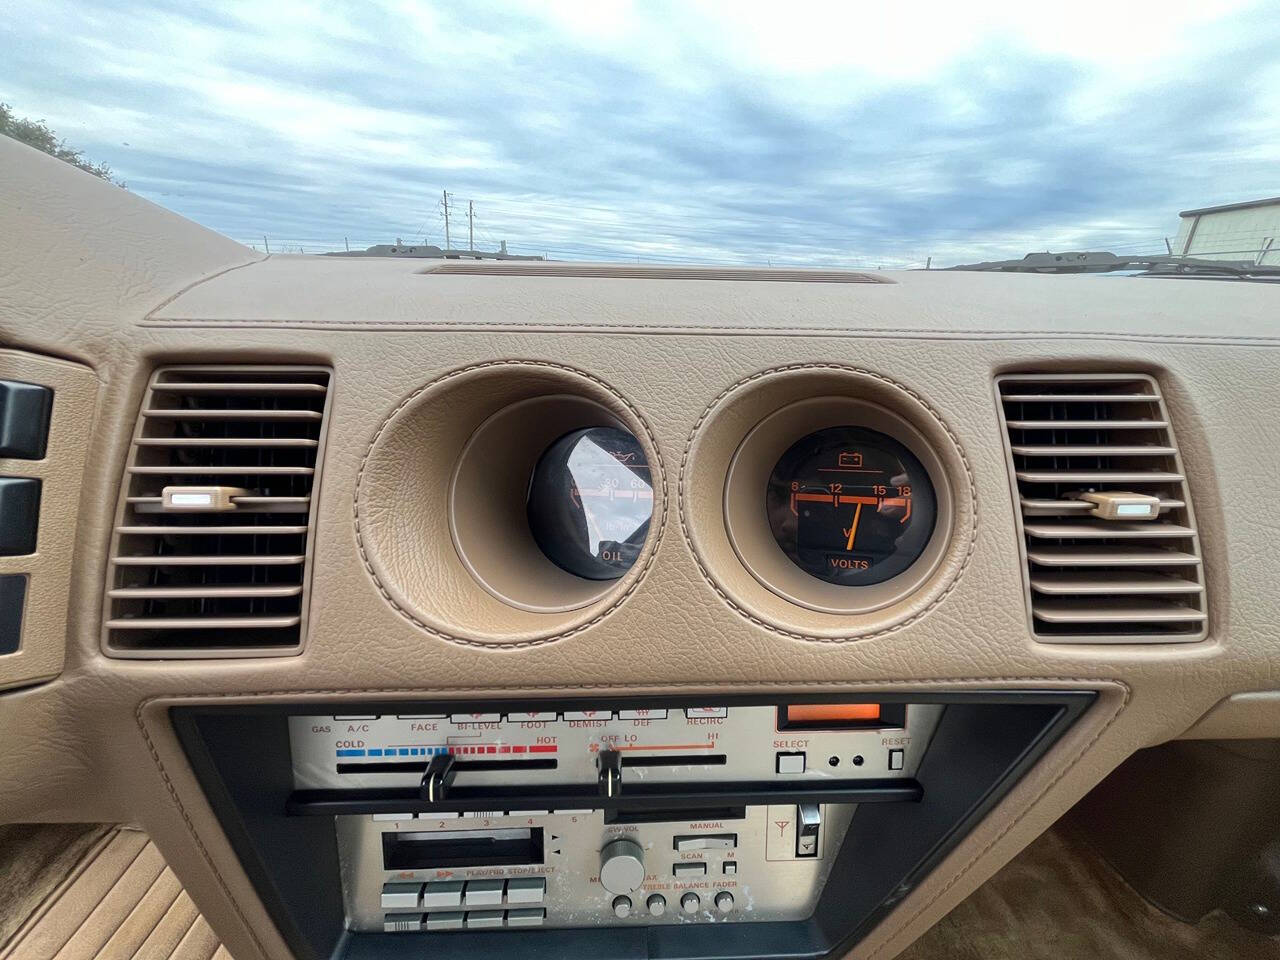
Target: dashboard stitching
{"x":511,"y":644}
{"x":1001,"y":834}
{"x":757,"y":621}
{"x":141,"y":722}
{"x":640,"y":327}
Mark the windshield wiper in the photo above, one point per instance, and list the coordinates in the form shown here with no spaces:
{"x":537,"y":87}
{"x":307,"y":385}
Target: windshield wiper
{"x":1089,"y":261}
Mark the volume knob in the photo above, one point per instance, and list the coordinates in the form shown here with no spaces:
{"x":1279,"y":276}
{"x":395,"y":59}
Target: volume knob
{"x":622,"y":866}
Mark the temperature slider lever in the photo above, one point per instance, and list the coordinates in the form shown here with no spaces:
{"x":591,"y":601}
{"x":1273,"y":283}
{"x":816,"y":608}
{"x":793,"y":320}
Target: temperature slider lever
{"x":438,"y":778}
{"x":610,"y":764}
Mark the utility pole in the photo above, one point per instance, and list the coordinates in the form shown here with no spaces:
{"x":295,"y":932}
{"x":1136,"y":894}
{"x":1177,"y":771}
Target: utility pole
{"x":447,"y":245}
{"x":471,"y":225}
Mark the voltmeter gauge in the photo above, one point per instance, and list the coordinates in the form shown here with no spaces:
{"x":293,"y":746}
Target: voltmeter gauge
{"x":851,"y":506}
{"x":590,"y":502}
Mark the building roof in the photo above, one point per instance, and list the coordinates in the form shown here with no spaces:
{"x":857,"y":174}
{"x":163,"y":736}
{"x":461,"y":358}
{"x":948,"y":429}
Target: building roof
{"x":1245,"y":205}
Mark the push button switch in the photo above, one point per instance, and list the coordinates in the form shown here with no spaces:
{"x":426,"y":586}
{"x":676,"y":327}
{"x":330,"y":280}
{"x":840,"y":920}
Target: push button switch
{"x":789,"y":762}
{"x":24,"y":419}
{"x":19,"y":515}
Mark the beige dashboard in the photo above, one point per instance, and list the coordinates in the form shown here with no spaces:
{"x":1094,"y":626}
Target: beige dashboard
{"x":101,"y":283}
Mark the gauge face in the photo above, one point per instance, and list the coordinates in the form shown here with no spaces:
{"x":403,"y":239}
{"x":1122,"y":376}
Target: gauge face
{"x":851,"y":506}
{"x":590,"y":502}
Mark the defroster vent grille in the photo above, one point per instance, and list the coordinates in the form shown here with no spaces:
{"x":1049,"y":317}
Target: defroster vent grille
{"x":1090,"y":579}
{"x":211,"y":550}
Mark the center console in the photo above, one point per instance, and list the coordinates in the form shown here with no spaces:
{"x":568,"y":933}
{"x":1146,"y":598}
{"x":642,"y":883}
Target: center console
{"x":738,"y":827}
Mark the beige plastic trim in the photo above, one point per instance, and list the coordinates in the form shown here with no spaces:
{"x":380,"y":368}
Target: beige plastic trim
{"x":242,"y":502}
{"x":748,"y":525}
{"x":1105,"y":599}
{"x":48,"y":570}
{"x":1253,"y":715}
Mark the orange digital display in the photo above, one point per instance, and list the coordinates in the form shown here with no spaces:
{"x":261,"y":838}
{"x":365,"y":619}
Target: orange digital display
{"x":811,"y":713}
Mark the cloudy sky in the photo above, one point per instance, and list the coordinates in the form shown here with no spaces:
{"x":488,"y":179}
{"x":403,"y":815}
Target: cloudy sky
{"x":845,"y":133}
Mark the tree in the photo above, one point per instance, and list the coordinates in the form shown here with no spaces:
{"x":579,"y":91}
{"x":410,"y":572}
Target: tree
{"x":35,"y":133}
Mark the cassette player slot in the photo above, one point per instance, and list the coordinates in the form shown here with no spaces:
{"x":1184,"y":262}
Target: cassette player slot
{"x":462,"y":848}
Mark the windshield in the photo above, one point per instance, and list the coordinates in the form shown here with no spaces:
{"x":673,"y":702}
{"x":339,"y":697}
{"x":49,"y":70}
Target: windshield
{"x":886,"y":136}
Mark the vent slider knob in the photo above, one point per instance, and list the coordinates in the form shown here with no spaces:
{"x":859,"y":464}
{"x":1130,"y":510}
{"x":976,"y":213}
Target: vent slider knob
{"x":1121,"y":504}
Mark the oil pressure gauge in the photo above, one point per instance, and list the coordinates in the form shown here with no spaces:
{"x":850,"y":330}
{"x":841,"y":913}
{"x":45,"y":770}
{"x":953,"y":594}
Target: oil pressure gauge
{"x":851,"y":506}
{"x":590,"y":502}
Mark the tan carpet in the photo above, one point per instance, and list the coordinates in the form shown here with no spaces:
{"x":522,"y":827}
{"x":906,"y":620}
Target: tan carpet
{"x":1059,"y":900}
{"x":116,"y":900}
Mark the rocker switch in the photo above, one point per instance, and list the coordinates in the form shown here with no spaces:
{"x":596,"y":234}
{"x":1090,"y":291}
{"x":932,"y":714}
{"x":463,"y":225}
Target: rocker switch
{"x":808,"y":823}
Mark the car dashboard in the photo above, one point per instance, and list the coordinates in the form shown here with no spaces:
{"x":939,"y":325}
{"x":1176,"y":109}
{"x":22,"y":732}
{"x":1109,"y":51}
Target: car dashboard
{"x":614,"y":611}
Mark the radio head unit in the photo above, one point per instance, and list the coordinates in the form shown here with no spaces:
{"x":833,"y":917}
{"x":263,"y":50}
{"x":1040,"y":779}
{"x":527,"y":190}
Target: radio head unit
{"x":606,"y":827}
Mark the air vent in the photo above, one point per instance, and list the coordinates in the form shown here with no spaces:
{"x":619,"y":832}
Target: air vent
{"x":1075,"y":444}
{"x":211,"y":553}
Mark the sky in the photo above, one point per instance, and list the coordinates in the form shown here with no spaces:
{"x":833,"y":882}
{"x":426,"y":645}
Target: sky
{"x":830,"y":134}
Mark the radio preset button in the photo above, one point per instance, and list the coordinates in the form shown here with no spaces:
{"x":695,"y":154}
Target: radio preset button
{"x":484,"y":918}
{"x":526,"y":890}
{"x":449,"y":920}
{"x":709,"y":841}
{"x":657,"y":904}
{"x":690,"y":902}
{"x":527,"y":917}
{"x":724,"y":901}
{"x":445,"y":893}
{"x":482,"y":893}
{"x":790,"y":762}
{"x":729,"y":866}
{"x":695,"y":868}
{"x":401,"y":923}
{"x":401,"y":896}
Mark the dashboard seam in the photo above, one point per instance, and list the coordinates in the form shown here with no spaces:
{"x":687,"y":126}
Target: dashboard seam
{"x":510,"y":644}
{"x":202,"y":280}
{"x":811,"y":638}
{"x":451,"y":327}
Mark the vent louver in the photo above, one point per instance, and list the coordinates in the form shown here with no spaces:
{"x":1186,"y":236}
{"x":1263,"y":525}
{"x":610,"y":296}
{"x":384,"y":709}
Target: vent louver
{"x":192,"y":581}
{"x":1094,"y":580}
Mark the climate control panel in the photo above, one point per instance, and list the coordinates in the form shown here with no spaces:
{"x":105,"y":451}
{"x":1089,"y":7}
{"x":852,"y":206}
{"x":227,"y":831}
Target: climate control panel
{"x":711,"y":744}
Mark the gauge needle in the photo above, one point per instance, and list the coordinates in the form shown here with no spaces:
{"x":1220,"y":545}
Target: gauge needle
{"x":853,"y":528}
